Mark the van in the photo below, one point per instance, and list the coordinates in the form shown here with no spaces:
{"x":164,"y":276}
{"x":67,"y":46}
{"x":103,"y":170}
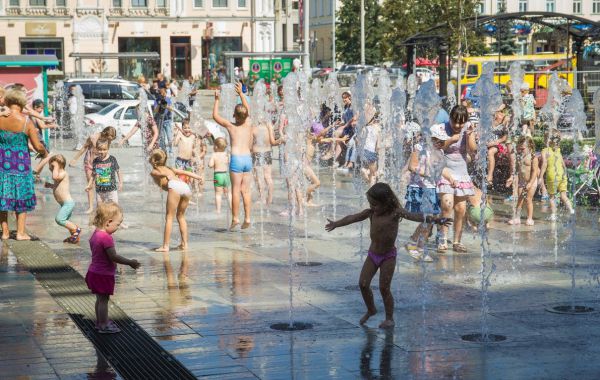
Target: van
{"x":100,"y":92}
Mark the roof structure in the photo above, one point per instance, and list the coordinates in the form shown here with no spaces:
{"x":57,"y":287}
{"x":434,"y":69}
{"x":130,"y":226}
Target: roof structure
{"x":28,"y":60}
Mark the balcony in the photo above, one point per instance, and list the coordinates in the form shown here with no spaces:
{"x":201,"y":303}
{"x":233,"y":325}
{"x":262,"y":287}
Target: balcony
{"x":37,"y":11}
{"x":89,"y":11}
{"x":162,"y":11}
{"x":13,"y":11}
{"x":117,"y":12}
{"x":139,"y":12}
{"x":62,"y":11}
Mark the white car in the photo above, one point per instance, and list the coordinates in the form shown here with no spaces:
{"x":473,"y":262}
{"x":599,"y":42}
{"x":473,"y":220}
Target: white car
{"x":123,"y":116}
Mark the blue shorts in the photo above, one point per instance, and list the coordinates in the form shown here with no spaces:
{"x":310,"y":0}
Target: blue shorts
{"x":369,"y":157}
{"x":64,"y":213}
{"x":240,"y":163}
{"x":422,"y":201}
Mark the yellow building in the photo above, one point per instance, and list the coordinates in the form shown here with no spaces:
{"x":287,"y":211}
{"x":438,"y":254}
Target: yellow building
{"x":189,"y":35}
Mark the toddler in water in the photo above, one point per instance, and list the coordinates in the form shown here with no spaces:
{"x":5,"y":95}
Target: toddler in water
{"x":100,"y":277}
{"x":178,"y":196}
{"x":554,"y":172}
{"x":62,"y":194}
{"x":185,"y":142}
{"x":89,"y":148}
{"x":219,"y":161}
{"x":384,"y":214}
{"x":526,"y":179}
{"x":105,"y":171}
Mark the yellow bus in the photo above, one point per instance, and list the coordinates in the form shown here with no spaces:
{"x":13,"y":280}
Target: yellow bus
{"x":537,"y":67}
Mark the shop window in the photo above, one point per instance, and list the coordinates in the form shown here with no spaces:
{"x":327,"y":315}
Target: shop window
{"x":44,"y":46}
{"x":139,"y":3}
{"x":132,"y":68}
{"x":219,"y":3}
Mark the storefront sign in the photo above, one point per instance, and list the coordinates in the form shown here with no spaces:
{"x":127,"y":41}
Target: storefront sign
{"x":269,"y":69}
{"x":40,"y":29}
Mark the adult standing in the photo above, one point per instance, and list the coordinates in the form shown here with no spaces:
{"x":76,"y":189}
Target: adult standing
{"x":17,"y":193}
{"x":164,"y":118}
{"x":453,"y":197}
{"x":193,"y":90}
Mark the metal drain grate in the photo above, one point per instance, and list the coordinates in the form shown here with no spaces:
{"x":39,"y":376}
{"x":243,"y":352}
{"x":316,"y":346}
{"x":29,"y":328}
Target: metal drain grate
{"x":132,"y":352}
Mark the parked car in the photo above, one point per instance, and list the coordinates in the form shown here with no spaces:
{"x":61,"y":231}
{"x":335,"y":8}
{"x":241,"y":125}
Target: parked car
{"x":322,"y":73}
{"x":100,"y":92}
{"x":123,"y":115}
{"x":347,"y":73}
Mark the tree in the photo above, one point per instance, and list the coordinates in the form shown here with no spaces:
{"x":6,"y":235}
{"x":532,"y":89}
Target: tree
{"x":348,"y":32}
{"x":505,"y":38}
{"x":404,"y":18}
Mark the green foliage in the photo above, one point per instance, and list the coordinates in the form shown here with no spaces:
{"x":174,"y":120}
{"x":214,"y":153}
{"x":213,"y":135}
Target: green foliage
{"x":348,"y":32}
{"x":566,"y":145}
{"x":404,"y":18}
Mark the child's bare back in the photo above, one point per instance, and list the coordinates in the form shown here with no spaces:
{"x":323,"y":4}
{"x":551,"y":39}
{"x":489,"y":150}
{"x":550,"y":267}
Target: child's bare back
{"x":220,"y":161}
{"x":61,"y":188}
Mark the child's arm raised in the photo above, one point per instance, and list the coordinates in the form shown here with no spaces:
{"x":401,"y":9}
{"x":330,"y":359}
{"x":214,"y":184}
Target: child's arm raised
{"x":115,"y":258}
{"x":218,"y":119}
{"x":418,"y":217}
{"x":188,"y":174}
{"x":238,"y":89}
{"x":332,"y":225}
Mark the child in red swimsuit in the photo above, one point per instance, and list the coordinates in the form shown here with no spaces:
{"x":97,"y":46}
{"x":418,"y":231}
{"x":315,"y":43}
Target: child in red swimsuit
{"x":384,"y":214}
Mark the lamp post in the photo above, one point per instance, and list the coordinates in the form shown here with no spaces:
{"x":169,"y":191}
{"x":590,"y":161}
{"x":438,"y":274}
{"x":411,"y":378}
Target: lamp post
{"x":333,"y":7}
{"x":306,"y":36}
{"x":362,"y":32}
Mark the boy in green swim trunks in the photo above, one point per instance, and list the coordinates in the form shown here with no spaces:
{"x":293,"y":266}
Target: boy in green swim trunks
{"x":220,"y":163}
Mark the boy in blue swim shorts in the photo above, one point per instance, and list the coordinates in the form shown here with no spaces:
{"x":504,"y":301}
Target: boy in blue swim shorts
{"x":240,"y":166}
{"x":62,"y":194}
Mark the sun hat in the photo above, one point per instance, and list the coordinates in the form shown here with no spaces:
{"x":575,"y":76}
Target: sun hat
{"x":438,"y":131}
{"x":524,"y":86}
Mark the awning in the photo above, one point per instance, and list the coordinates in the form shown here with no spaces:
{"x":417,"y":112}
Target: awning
{"x":28,"y":60}
{"x":138,"y":55}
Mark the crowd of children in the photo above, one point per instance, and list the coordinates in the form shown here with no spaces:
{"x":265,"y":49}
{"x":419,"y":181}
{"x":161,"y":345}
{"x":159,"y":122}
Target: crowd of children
{"x":441,"y":186}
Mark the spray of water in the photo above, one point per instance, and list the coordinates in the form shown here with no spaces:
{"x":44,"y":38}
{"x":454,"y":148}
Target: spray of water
{"x":489,"y":99}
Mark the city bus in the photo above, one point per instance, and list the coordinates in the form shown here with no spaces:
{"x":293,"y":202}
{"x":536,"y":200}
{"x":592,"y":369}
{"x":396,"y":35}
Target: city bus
{"x":537,"y":67}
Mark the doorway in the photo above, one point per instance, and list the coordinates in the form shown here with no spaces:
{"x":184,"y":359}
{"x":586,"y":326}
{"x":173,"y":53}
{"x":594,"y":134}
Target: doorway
{"x":181,"y":62}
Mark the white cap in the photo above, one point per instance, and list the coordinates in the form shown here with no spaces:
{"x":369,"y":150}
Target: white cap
{"x":524,"y":86}
{"x":438,"y":131}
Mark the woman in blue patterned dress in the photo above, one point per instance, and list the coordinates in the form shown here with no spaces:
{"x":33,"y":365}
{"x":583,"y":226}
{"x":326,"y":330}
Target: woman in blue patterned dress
{"x":17,"y":192}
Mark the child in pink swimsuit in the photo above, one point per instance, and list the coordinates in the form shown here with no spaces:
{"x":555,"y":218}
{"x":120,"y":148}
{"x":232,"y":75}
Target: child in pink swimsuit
{"x":384,"y":214}
{"x":100,"y":277}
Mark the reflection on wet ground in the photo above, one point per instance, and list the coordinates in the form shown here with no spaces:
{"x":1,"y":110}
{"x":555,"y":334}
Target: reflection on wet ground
{"x":211,"y":307}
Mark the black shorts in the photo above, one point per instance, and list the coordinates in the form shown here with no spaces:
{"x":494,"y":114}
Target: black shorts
{"x":262,"y":158}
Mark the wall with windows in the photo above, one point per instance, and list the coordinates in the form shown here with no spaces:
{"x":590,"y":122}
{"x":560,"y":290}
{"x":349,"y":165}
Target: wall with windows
{"x":584,"y":8}
{"x":62,"y":27}
{"x":321,"y":25}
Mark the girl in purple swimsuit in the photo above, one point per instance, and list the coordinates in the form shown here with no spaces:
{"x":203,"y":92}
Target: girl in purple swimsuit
{"x":384,"y":214}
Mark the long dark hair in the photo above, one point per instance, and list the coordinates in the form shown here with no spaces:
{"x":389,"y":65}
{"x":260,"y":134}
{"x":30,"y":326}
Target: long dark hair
{"x":382,"y":193}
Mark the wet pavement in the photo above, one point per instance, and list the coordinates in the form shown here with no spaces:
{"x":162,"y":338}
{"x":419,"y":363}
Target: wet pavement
{"x":212,"y":307}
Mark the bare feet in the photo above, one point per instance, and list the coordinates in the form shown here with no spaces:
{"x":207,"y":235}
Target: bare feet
{"x":529,"y":222}
{"x":182,"y":247}
{"x":234,"y":224}
{"x":23,"y":237}
{"x":387,"y":324}
{"x":162,"y":249}
{"x":311,"y":204}
{"x":245,"y":225}
{"x":89,"y":210}
{"x":366,"y":317}
{"x":514,"y":222}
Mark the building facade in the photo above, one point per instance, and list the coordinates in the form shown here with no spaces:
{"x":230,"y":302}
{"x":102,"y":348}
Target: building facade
{"x":189,"y":35}
{"x":542,"y":39}
{"x":321,"y":31}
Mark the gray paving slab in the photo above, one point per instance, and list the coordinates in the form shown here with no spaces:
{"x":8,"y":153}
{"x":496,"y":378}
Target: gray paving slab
{"x":212,"y":307}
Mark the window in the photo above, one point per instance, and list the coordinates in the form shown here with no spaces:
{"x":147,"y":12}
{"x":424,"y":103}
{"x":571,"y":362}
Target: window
{"x":596,"y":6}
{"x":294,"y":4}
{"x":37,"y":3}
{"x":472,"y":71}
{"x":131,"y":114}
{"x":550,"y":5}
{"x":241,"y":3}
{"x":295,"y":33}
{"x":61,"y":3}
{"x":577,"y":6}
{"x":501,"y":6}
{"x":2,"y":45}
{"x":14,"y":3}
{"x":219,"y":3}
{"x":44,"y":46}
{"x":522,"y":5}
{"x":161,"y":3}
{"x":480,"y":8}
{"x":139,"y":3}
{"x":117,"y":3}
{"x":117,"y":114}
{"x":198,"y":4}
